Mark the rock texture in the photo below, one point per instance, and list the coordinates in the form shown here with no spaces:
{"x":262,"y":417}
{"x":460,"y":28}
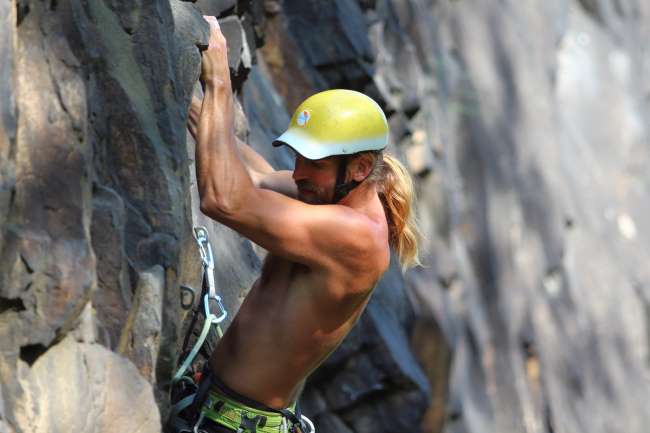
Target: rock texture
{"x":82,"y":387}
{"x":544,"y":301}
{"x":94,"y":197}
{"x":525,"y":126}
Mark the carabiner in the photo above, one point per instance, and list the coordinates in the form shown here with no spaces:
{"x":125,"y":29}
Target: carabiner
{"x":209,"y":315}
{"x":201,"y":236}
{"x":200,"y":233}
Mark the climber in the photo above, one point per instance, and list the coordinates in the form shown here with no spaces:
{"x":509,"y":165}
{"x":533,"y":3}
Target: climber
{"x":327,"y":227}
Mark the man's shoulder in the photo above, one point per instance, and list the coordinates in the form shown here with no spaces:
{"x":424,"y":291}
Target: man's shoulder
{"x":367,"y":242}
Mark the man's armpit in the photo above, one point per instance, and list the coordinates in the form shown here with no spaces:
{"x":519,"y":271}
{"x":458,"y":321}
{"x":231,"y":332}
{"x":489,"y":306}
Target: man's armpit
{"x":280,"y":182}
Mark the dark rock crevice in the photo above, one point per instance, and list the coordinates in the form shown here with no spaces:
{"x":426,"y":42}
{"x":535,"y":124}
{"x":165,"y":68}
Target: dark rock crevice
{"x":15,"y":305}
{"x":31,"y":352}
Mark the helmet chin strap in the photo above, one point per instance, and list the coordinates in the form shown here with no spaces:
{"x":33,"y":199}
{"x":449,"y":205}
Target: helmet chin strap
{"x":342,"y":188}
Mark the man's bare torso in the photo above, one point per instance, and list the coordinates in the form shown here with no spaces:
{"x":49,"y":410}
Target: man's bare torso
{"x":290,"y":321}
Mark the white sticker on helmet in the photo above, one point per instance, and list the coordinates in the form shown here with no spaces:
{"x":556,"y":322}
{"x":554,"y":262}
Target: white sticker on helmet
{"x":303,"y":118}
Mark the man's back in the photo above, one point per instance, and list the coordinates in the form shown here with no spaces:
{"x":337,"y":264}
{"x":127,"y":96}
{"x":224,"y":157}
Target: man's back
{"x":292,"y":318}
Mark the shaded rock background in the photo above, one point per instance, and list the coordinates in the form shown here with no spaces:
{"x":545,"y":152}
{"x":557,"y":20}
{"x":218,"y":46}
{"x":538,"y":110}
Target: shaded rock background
{"x":526,"y":127}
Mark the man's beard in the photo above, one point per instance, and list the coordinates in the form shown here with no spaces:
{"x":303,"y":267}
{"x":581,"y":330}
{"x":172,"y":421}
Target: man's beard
{"x":310,"y":193}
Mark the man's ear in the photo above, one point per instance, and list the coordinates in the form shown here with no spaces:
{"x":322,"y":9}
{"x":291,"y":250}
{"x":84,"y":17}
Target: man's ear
{"x":361,"y":166}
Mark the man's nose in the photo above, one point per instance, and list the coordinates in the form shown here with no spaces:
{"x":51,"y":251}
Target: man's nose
{"x":299,"y":172}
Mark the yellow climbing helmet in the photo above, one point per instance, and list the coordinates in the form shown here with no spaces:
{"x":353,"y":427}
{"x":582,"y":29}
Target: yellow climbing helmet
{"x":336,"y":122}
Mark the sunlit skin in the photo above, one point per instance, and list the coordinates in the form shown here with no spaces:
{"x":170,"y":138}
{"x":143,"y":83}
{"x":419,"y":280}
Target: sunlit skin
{"x":322,"y":263}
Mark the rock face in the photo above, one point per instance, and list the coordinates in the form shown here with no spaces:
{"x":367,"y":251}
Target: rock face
{"x":543,"y":299}
{"x":104,"y":390}
{"x":94,"y":198}
{"x":525,"y":126}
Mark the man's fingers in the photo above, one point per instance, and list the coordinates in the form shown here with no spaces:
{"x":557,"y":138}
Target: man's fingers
{"x":212,"y":21}
{"x":215,"y":29}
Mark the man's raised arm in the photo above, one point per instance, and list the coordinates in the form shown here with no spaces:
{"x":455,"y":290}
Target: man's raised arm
{"x":261,"y":172}
{"x":222,"y":178}
{"x":326,"y":235}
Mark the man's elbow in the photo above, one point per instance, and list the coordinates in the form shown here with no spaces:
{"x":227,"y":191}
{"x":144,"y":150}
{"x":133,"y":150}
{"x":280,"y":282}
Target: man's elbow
{"x":218,"y":207}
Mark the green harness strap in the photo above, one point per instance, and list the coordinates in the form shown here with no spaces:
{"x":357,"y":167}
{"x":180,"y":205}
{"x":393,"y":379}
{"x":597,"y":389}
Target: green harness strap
{"x":244,"y":419}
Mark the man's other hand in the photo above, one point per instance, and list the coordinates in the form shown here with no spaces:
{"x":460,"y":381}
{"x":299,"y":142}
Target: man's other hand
{"x":214,"y":64}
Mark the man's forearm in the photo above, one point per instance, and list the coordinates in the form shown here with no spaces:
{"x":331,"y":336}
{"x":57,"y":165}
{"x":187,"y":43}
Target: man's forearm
{"x":254,"y":160}
{"x":222,"y":178}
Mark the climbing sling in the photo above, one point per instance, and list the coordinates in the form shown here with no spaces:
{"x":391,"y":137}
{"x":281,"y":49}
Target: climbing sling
{"x":186,"y":394}
{"x":198,"y":398}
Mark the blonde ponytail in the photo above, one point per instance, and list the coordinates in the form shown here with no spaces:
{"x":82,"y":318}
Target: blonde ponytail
{"x":395,"y":188}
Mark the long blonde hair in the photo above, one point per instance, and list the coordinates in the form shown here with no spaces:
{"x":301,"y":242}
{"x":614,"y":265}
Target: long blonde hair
{"x":397,"y":194}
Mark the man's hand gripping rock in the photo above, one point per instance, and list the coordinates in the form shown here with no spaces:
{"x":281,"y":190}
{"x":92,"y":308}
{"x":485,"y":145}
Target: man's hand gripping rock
{"x":214,"y":65}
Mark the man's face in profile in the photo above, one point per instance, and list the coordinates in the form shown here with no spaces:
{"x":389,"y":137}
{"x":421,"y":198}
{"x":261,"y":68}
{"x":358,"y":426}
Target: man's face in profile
{"x":315,"y":179}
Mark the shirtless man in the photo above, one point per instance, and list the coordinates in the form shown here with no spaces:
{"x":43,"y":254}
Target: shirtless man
{"x":327,"y":227}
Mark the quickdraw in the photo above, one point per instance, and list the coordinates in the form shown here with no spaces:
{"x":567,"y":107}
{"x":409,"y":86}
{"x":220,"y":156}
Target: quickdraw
{"x":185,"y":383}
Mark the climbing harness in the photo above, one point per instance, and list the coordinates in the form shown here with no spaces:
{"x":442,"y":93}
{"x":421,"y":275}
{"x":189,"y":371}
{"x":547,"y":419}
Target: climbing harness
{"x":194,"y":400}
{"x":240,"y":417}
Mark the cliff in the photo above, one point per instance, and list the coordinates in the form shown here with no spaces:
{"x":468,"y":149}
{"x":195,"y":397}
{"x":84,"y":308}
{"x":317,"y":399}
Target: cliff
{"x":525,"y":127}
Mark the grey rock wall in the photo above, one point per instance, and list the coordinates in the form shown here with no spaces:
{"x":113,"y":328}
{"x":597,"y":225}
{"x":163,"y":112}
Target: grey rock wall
{"x":541,"y":113}
{"x":84,"y":387}
{"x":525,"y":126}
{"x":94,"y":211}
